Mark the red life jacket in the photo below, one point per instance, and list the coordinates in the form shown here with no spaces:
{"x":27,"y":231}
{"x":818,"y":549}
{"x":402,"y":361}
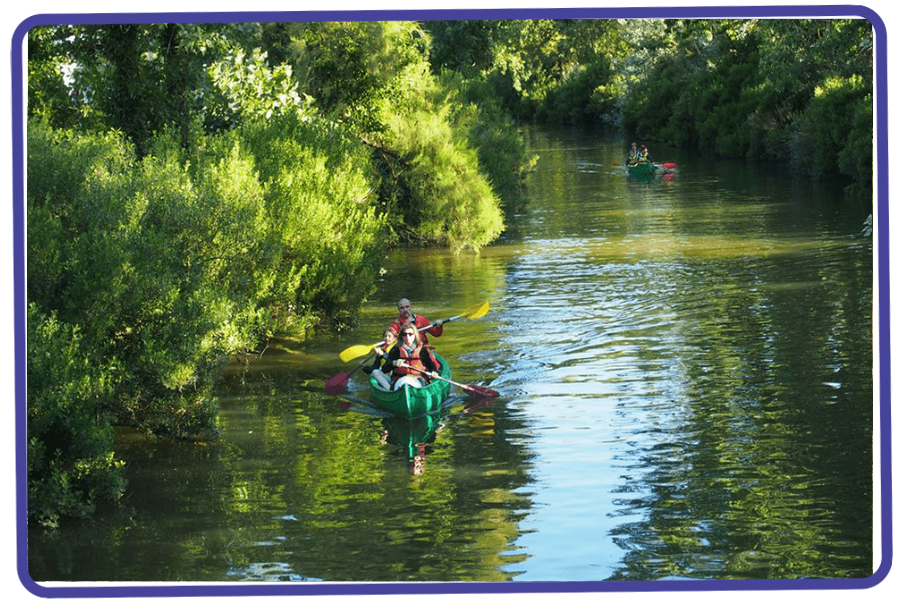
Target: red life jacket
{"x":420,"y":322}
{"x":413,"y":359}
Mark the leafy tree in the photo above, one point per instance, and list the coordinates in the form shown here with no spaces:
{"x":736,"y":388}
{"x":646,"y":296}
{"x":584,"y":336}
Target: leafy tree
{"x":550,"y":70}
{"x":374,"y":77}
{"x":125,"y":83}
{"x":794,"y":90}
{"x":355,"y":70}
{"x":836,"y":128}
{"x":48,"y":95}
{"x":466,"y":47}
{"x":446,"y":199}
{"x":493,"y":134}
{"x":246,"y":87}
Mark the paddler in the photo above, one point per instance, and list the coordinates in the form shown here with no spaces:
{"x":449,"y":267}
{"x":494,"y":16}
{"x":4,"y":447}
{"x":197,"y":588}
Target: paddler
{"x":408,"y":358}
{"x":426,"y":327}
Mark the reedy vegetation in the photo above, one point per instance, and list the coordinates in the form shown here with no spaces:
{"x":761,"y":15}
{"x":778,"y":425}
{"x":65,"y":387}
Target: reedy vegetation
{"x":194,"y":189}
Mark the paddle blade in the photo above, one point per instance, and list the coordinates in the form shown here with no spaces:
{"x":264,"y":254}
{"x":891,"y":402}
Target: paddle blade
{"x":668,"y":165}
{"x":337,"y":384}
{"x":354,"y":352}
{"x":478,"y":311}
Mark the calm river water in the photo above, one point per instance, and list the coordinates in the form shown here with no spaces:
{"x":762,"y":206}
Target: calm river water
{"x":685,"y":374}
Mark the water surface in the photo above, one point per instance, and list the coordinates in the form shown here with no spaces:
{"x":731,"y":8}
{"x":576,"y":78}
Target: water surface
{"x":685,"y":374}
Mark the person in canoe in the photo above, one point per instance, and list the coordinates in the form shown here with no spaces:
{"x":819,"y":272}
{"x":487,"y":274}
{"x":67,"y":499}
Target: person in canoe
{"x":633,"y":155}
{"x":388,"y":338}
{"x":407,"y":357}
{"x":645,"y":155}
{"x":404,"y":306}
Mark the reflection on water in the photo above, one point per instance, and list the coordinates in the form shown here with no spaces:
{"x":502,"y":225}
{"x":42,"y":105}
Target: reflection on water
{"x":702,"y":380}
{"x":685,"y":378}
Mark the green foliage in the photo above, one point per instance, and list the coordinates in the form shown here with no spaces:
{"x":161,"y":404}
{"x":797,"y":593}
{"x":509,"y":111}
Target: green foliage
{"x":789,"y":90}
{"x":581,"y":99}
{"x":502,"y":156}
{"x":189,"y":79}
{"x":248,"y":88}
{"x":836,"y":129}
{"x":146,"y":262}
{"x":71,"y":467}
{"x":446,"y":197}
{"x":61,"y":216}
{"x":374,"y":78}
{"x":447,"y":200}
{"x":465,"y":47}
{"x":355,"y":70}
{"x":322,"y":214}
{"x":48,"y":96}
{"x":122,"y":67}
{"x":554,"y":71}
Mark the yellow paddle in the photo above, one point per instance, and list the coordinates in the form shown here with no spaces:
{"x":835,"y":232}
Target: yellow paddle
{"x":354,"y":352}
{"x":338,"y":383}
{"x":474,"y":312}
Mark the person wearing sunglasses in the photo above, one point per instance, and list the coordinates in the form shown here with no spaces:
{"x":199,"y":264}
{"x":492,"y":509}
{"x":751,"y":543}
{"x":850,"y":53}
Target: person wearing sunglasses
{"x":425,"y":327}
{"x":407,"y":358}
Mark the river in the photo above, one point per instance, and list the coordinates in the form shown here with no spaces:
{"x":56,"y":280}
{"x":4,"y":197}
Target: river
{"x":684,"y":369}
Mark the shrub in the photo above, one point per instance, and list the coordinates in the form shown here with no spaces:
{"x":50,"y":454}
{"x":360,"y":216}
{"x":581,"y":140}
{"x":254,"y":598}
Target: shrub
{"x":835,"y":132}
{"x":71,"y":464}
{"x":322,"y":212}
{"x":492,"y":132}
{"x":154,"y":263}
{"x":448,"y":200}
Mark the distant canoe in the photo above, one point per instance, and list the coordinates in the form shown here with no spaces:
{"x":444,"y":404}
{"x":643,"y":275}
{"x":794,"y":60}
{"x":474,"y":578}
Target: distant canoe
{"x":412,"y":402}
{"x":645,"y":168}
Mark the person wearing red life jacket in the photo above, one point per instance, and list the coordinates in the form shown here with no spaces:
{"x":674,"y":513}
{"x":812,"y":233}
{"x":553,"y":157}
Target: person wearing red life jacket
{"x":407,"y":316}
{"x":407,"y":357}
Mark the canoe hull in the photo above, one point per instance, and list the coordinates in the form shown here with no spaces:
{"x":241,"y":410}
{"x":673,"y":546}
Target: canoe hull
{"x":641,"y":169}
{"x":411,"y":402}
{"x":647,"y":169}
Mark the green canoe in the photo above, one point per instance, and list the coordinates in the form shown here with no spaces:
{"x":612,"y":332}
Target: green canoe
{"x":641,"y":169}
{"x":412,"y":402}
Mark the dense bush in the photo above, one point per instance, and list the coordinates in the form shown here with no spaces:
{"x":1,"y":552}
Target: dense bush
{"x":587,"y":96}
{"x":502,"y":156}
{"x":375,"y":79}
{"x":324,"y":227}
{"x":447,"y":199}
{"x":139,"y":256}
{"x":835,"y":131}
{"x":71,"y":465}
{"x":166,"y":266}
